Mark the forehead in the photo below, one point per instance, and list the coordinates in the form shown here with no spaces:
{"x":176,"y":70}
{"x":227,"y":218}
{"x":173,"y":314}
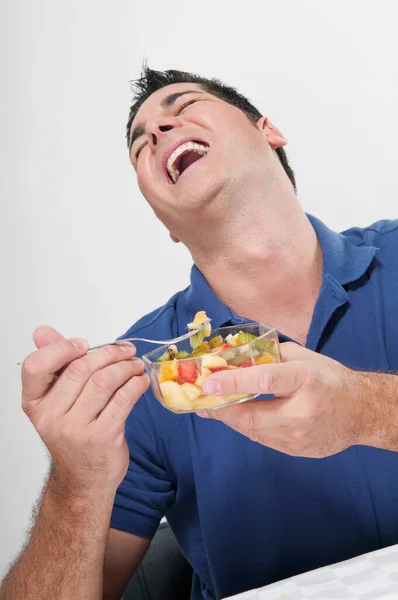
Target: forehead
{"x":153,"y":105}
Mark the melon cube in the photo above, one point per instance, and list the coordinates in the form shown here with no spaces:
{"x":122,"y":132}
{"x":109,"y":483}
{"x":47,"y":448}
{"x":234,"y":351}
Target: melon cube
{"x":191,"y":390}
{"x":205,"y":373}
{"x":212,"y":361}
{"x":174,"y":396}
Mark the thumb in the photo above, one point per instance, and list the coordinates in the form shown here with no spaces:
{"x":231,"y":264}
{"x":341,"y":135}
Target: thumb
{"x":45,"y":335}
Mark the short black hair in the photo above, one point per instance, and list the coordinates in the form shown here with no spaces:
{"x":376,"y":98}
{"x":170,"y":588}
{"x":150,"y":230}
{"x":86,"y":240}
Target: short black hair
{"x":151,"y":81}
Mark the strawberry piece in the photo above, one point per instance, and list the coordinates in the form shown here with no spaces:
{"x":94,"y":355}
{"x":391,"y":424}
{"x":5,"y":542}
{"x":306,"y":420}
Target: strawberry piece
{"x":246,"y":363}
{"x":219,"y":369}
{"x":188,"y":371}
{"x":224,"y":347}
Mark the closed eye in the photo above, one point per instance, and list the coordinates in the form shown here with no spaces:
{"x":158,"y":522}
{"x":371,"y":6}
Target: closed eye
{"x":179,"y":111}
{"x":139,"y":150}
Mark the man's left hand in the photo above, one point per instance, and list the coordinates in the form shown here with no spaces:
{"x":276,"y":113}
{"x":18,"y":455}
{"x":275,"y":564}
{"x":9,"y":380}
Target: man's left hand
{"x":316,"y":410}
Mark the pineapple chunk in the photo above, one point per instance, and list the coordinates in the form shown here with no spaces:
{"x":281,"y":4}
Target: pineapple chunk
{"x":231,"y":340}
{"x":174,"y":396}
{"x":202,"y":377}
{"x":264,"y":359}
{"x":200,"y":318}
{"x":168,"y":371}
{"x":212,"y":361}
{"x":191,"y":390}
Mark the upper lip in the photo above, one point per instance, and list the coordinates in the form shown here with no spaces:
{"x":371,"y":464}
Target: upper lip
{"x":172,"y":146}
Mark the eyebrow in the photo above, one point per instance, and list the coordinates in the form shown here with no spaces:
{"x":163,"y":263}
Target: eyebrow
{"x":139,"y":130}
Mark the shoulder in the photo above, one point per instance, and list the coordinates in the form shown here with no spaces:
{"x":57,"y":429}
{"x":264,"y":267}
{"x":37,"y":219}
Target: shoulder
{"x":383,"y":278}
{"x":382,"y":234}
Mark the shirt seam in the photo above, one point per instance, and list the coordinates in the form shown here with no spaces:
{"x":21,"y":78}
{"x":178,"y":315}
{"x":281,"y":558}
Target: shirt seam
{"x":371,"y":228}
{"x":161,"y":312}
{"x":159,"y":441}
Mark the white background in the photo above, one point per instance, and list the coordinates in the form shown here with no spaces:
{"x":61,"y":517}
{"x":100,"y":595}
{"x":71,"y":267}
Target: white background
{"x":80,"y":250}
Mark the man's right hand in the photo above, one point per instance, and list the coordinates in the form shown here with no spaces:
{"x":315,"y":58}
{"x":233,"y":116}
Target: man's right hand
{"x":78,"y":403}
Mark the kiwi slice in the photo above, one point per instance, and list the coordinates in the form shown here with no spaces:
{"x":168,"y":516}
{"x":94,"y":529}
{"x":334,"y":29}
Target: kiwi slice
{"x":245,"y":338}
{"x":182,"y":354}
{"x":216,"y":342}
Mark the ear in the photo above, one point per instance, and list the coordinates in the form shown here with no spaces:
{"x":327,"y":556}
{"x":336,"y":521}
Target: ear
{"x":173,"y":237}
{"x":272,"y":133}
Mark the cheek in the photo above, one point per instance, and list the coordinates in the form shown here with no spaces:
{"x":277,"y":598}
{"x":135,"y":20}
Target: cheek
{"x":145,"y":176}
{"x":149,"y":184}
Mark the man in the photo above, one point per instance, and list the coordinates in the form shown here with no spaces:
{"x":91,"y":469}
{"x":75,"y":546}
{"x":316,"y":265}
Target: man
{"x":242,"y":491}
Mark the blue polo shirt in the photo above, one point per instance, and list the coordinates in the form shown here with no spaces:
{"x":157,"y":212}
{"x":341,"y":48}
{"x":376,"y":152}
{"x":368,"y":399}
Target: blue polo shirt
{"x":245,"y":515}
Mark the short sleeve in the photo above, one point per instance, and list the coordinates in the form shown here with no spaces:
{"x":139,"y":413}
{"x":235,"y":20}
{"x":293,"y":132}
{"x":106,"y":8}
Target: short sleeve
{"x":146,"y":491}
{"x":387,"y":258}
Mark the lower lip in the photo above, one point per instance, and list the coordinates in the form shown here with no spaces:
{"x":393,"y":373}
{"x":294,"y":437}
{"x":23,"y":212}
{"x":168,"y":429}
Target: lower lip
{"x":188,"y":169}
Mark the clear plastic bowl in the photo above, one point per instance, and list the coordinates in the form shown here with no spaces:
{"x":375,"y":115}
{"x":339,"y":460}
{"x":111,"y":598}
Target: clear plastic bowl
{"x":177,"y":384}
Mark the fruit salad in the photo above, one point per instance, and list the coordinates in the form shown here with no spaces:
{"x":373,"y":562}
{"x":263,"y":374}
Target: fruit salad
{"x":177,"y":374}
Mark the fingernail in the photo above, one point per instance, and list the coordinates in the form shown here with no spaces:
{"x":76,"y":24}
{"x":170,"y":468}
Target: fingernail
{"x":211,"y":387}
{"x":127,"y":347}
{"x":203,"y":414}
{"x":80,"y":344}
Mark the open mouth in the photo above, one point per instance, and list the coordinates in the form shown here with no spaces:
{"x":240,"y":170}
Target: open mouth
{"x":183,"y":157}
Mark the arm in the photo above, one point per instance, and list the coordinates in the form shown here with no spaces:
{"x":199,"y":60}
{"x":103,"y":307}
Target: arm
{"x":320,"y":407}
{"x":123,"y":556}
{"x":73,"y":538}
{"x":78,"y":403}
{"x":65,"y":554}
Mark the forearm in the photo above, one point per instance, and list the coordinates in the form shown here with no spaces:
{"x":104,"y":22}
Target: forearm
{"x":65,"y":555}
{"x":377,"y":396}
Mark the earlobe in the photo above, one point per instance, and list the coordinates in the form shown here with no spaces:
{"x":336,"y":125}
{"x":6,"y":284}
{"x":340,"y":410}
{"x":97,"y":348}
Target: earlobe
{"x":274,"y":137}
{"x":174,"y":238}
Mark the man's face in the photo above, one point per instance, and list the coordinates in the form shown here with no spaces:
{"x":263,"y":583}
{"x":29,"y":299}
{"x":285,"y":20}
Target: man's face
{"x":190,"y":148}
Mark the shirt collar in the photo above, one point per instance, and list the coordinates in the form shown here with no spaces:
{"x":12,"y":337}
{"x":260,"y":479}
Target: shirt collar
{"x":343,"y":260}
{"x":343,"y":263}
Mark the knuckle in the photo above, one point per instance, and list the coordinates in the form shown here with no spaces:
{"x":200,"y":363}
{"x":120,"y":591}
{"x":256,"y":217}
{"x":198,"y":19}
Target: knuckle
{"x":309,"y":415}
{"x":78,"y":369}
{"x":65,"y":346}
{"x":141,"y":383}
{"x":268,"y":381}
{"x":95,"y":439}
{"x":111,"y":352}
{"x":103,"y":381}
{"x":123,"y":398}
{"x":43,"y":425}
{"x":297,"y":435}
{"x":310,"y":379}
{"x":30,"y":365}
{"x":250,"y":420}
{"x":69,"y":431}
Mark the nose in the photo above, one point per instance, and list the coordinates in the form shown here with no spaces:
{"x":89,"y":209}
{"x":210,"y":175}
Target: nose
{"x":158,"y":128}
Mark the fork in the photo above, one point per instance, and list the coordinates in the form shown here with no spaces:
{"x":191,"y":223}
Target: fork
{"x":175,"y":340}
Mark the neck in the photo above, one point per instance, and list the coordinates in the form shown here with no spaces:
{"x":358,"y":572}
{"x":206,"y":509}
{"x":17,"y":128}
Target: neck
{"x":266,"y":264}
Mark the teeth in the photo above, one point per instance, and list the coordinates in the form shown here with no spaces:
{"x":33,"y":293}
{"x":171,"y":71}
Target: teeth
{"x":193,"y":146}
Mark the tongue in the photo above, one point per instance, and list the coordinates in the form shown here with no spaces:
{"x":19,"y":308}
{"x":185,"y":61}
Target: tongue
{"x":187,"y":159}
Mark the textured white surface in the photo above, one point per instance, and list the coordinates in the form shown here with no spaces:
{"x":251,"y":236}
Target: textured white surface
{"x":371,"y":576}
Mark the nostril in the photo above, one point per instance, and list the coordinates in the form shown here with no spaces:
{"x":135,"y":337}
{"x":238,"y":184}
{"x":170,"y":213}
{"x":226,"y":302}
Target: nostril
{"x":165,"y":127}
{"x":154,"y":139}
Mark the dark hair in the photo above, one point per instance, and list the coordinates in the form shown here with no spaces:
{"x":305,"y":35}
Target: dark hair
{"x":151,"y":81}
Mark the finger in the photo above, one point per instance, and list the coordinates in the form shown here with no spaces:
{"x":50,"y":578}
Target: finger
{"x":114,"y":415}
{"x":249,"y":416}
{"x":45,"y":335}
{"x":293,"y":351}
{"x":279,"y":379}
{"x":101,"y":386}
{"x":39,"y":368}
{"x":71,"y":383}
